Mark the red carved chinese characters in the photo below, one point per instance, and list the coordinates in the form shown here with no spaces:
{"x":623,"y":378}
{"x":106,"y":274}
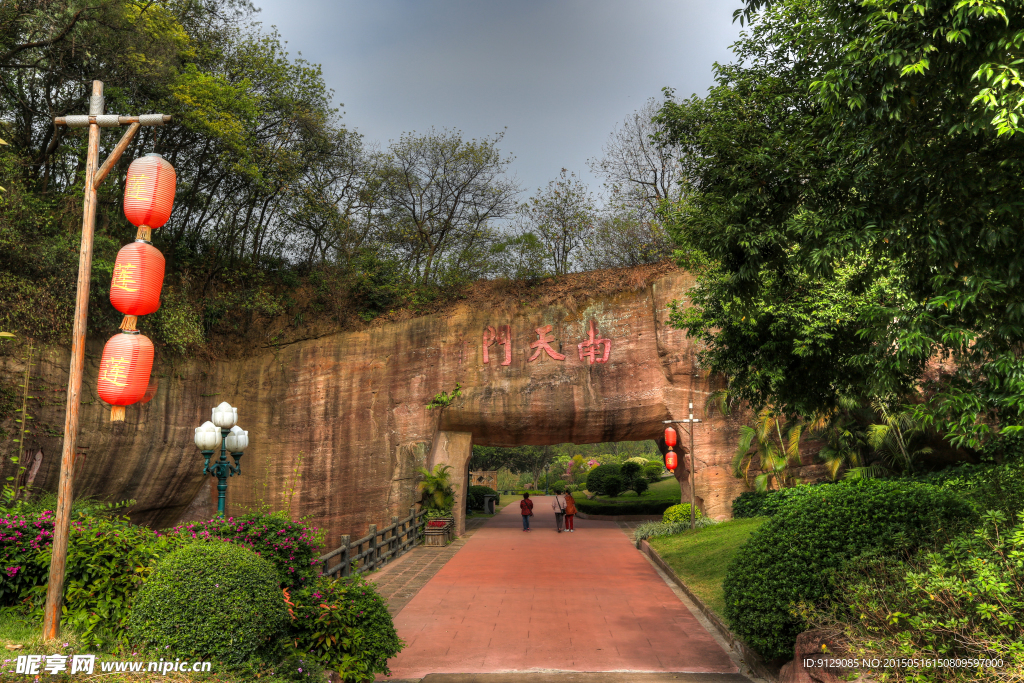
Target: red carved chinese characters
{"x":592,"y":344}
{"x":503,"y":337}
{"x":544,"y":344}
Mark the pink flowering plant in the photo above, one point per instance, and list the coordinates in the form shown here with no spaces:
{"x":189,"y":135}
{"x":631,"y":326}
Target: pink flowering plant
{"x":107,"y":562}
{"x":292,"y":547}
{"x":345,"y":625}
{"x":22,"y":537}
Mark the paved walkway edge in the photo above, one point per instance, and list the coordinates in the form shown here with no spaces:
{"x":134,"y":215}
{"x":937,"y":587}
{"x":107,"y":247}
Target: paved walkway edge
{"x":751,"y":658}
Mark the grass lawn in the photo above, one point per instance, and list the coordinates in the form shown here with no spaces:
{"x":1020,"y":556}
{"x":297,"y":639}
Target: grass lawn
{"x":666,"y":489}
{"x":701,"y":557}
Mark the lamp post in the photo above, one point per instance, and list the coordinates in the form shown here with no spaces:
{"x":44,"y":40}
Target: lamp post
{"x":693,"y":469}
{"x":95,"y":173}
{"x":547,"y":480}
{"x":232,"y":438}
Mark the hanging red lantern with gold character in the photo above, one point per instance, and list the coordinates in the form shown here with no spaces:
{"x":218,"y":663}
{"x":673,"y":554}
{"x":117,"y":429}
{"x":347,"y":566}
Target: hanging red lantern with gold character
{"x":137,"y":281}
{"x":670,"y":437}
{"x":671,"y":461}
{"x":125,"y":368}
{"x":149,"y":193}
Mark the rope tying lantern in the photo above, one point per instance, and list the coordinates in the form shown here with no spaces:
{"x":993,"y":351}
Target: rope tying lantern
{"x":125,"y":368}
{"x":149,"y":193}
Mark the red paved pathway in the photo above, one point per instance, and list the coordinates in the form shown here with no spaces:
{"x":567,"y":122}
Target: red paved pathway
{"x":515,"y":601}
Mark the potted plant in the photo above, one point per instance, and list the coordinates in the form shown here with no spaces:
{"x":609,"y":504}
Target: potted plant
{"x":438,"y":501}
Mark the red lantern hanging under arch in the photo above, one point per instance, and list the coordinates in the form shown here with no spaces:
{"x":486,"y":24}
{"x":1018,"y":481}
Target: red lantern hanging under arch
{"x":671,"y":461}
{"x":125,"y":367}
{"x":137,"y":280}
{"x":149,"y":192}
{"x":670,"y":436}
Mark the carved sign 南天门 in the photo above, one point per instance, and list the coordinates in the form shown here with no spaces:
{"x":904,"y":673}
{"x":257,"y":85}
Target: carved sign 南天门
{"x":594,"y":348}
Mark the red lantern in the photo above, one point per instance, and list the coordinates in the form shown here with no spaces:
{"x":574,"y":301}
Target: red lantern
{"x":670,"y":436}
{"x":138,"y":278}
{"x":124,"y":371}
{"x":149,"y":191}
{"x":671,"y":461}
{"x":150,"y":390}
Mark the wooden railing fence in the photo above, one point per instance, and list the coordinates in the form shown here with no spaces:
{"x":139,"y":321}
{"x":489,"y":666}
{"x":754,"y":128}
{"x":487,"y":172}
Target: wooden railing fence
{"x":375,"y":549}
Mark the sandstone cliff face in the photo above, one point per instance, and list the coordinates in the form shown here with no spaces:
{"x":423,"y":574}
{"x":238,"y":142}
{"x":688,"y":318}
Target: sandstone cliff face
{"x":337,"y":425}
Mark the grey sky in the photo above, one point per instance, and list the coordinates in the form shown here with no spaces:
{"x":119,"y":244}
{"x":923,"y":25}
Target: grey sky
{"x":558,"y":74}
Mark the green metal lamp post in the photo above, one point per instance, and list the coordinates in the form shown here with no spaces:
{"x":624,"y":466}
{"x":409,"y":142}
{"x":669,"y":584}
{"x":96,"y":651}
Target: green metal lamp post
{"x":222,"y":430}
{"x":547,"y":480}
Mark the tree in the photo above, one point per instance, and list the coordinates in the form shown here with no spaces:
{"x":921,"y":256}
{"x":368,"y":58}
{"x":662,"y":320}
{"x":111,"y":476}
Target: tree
{"x":442,"y":195}
{"x":640,"y":172}
{"x":868,"y":145}
{"x":562,"y":216}
{"x":772,"y":443}
{"x":622,"y":239}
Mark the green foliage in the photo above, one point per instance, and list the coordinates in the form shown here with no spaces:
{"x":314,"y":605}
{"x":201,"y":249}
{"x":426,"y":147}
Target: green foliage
{"x":794,"y":556}
{"x":986,"y":487}
{"x":475,"y":496}
{"x":438,"y":493}
{"x":773,"y":443}
{"x":612,"y":485}
{"x":177,"y":323}
{"x":768,"y":503}
{"x":856,"y":166}
{"x":108,"y":559}
{"x":299,"y":668}
{"x":964,"y":601}
{"x":653,"y":472}
{"x":345,"y":625}
{"x":596,"y":478}
{"x":558,"y":487}
{"x":292,"y":547}
{"x":680,"y":513}
{"x":633,"y":477}
{"x":445,"y":399}
{"x":625,"y":506}
{"x":216,"y":601}
{"x":562,"y":217}
{"x":701,"y":558}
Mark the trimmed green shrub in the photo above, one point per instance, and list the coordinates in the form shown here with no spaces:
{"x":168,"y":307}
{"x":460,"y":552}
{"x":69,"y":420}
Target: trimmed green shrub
{"x":292,"y":547}
{"x":215,"y":601}
{"x":634,"y":506}
{"x":475,"y":496}
{"x":558,"y":487}
{"x":680,"y":513}
{"x":752,"y":504}
{"x":612,"y":485}
{"x":647,"y":530}
{"x":987,"y":487}
{"x":596,"y":477}
{"x":653,"y":473}
{"x":795,"y":555}
{"x":345,"y":625}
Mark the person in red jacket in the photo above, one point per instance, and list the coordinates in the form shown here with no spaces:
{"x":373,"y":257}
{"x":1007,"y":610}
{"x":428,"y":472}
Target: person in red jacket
{"x":526,"y":507}
{"x":570,"y":512}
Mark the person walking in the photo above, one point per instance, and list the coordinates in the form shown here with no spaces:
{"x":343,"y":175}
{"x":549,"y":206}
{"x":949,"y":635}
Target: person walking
{"x":558,"y":505}
{"x":570,"y":512}
{"x":526,"y":507}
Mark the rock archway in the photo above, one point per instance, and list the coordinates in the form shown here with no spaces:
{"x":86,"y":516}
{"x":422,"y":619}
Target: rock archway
{"x":339,"y":424}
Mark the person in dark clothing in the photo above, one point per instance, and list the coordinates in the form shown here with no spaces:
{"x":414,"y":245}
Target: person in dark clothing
{"x":526,"y":507}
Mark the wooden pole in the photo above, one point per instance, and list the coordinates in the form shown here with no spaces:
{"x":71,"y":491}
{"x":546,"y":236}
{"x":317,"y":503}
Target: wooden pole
{"x":65,"y":489}
{"x":693,"y":479}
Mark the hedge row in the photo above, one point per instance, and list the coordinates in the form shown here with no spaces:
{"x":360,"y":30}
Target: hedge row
{"x":641,"y":507}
